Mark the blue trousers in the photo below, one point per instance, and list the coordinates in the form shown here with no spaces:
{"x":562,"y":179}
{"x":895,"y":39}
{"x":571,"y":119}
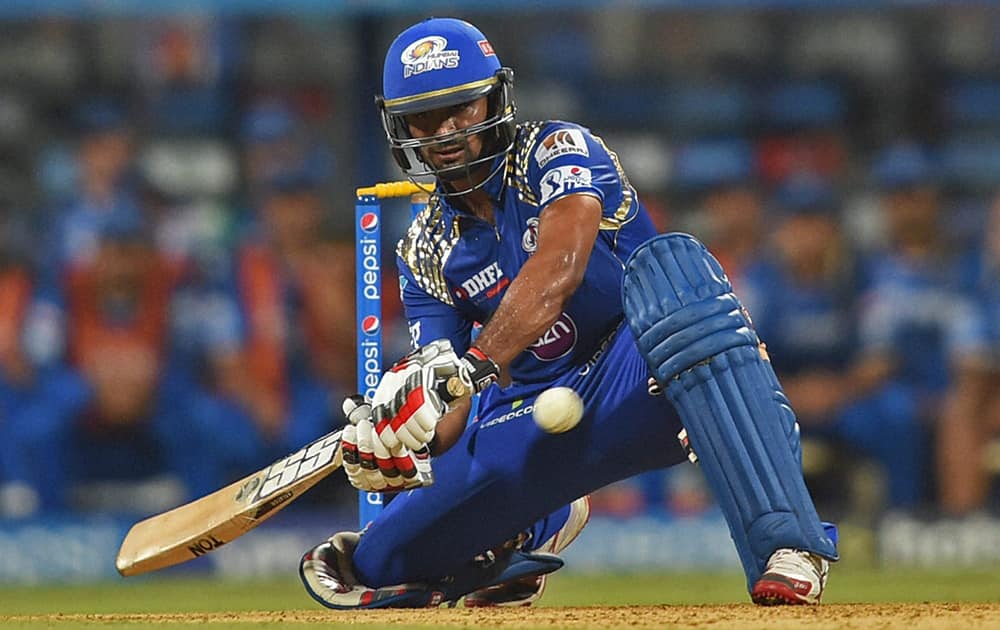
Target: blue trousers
{"x":505,"y":475}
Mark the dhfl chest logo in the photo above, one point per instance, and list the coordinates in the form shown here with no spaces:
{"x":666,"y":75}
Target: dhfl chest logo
{"x":427,"y":54}
{"x":369,"y":222}
{"x":489,"y":280}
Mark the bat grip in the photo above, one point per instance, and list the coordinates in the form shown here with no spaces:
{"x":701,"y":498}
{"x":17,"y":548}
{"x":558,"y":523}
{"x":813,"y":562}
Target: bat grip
{"x":453,"y":389}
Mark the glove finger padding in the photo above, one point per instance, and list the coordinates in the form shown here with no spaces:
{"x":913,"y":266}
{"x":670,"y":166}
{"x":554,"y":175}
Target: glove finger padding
{"x":349,"y":450}
{"x":369,"y":464}
{"x":387,"y":465}
{"x":410,"y":416}
{"x":372,"y":478}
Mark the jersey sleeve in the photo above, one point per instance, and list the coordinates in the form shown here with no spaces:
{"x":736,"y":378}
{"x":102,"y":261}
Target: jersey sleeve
{"x":567,"y":159}
{"x":429,"y":318}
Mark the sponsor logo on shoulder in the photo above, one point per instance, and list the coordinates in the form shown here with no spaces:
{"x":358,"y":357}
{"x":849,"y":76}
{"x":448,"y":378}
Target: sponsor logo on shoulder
{"x":563,"y":179}
{"x":427,"y":54}
{"x":561,"y":142}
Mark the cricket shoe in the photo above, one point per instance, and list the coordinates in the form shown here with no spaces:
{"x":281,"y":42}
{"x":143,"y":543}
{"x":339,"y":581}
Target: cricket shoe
{"x":327,"y":571}
{"x":525,"y":591}
{"x":791,"y":577}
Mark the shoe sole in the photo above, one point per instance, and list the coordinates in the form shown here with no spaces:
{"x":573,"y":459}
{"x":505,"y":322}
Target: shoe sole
{"x":770,"y":593}
{"x":476,"y":602}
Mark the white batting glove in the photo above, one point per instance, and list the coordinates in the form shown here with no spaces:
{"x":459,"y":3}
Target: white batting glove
{"x":369,"y":464}
{"x":414,"y":394}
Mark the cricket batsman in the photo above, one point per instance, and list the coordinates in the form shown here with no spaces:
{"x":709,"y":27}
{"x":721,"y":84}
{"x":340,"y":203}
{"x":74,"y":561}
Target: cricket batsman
{"x":535,"y":231}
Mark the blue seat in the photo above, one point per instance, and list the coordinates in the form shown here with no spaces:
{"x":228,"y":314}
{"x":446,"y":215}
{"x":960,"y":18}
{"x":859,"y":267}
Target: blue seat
{"x":703,"y":108}
{"x":803,"y":104}
{"x":713,"y":163}
{"x":973,"y":103}
{"x":626,"y":105}
{"x":972,"y":162}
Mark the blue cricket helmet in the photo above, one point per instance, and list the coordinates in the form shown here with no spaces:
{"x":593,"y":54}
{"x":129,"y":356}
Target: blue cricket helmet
{"x":442,"y":62}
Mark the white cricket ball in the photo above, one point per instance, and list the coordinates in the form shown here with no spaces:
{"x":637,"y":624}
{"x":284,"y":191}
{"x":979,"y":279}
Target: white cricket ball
{"x":557,"y":410}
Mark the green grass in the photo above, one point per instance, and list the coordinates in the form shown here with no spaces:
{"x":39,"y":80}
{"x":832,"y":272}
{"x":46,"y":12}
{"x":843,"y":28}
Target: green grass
{"x":179,"y":596}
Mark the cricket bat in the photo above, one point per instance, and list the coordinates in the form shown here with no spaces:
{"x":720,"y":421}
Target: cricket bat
{"x":197,"y":528}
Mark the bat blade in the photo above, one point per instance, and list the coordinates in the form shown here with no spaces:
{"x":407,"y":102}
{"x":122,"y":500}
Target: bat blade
{"x":197,"y":528}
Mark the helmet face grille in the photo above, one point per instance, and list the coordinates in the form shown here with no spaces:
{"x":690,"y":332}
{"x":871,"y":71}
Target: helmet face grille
{"x":443,"y":62}
{"x":497,"y":132}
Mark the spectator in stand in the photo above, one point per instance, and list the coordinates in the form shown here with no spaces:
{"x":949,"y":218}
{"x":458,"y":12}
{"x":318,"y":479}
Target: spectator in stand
{"x":803,"y":300}
{"x":35,"y":391}
{"x":972,"y":408}
{"x":720,"y":176}
{"x":295,"y":289}
{"x":724,"y":175}
{"x":917,"y":328}
{"x":272,"y":140}
{"x":104,"y":187}
{"x":126,"y":410}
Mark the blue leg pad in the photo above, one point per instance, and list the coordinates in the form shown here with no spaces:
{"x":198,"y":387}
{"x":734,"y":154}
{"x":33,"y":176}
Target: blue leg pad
{"x":700,"y":345}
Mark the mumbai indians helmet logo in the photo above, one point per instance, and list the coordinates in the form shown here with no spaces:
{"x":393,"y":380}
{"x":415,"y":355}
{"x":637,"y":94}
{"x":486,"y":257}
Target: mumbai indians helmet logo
{"x":370,"y":324}
{"x":369,"y":222}
{"x":426,"y":54}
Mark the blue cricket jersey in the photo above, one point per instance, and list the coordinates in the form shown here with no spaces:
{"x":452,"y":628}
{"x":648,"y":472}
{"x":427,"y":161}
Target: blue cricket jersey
{"x":455,"y":268}
{"x":916,"y":312}
{"x":806,"y":326}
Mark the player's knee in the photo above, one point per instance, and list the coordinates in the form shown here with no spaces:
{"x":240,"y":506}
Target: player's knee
{"x":680,"y":305}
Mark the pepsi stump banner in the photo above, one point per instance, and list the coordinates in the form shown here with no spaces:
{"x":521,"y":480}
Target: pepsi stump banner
{"x":368,"y":291}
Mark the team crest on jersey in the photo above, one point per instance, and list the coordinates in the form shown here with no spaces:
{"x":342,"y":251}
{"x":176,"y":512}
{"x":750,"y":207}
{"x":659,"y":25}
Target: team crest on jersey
{"x":562,"y":142}
{"x":556,"y":342}
{"x":563,"y":179}
{"x":426,"y":54}
{"x":529,"y":241}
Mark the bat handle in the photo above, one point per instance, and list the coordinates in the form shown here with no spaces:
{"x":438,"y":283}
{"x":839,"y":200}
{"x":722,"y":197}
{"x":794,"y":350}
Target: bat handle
{"x":454,"y":388}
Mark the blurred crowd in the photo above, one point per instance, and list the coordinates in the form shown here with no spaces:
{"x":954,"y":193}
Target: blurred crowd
{"x":887,"y":353}
{"x":176,"y":260}
{"x":141,"y":337}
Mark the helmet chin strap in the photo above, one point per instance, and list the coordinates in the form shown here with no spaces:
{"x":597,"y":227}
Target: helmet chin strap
{"x":466,"y":171}
{"x":468,"y":176}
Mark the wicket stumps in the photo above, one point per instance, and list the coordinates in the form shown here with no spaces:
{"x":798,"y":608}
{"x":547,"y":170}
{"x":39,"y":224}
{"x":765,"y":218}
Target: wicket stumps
{"x":368,"y":265}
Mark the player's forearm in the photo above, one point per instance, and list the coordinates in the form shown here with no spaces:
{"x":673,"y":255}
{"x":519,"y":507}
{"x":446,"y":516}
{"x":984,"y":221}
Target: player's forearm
{"x":533,"y":302}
